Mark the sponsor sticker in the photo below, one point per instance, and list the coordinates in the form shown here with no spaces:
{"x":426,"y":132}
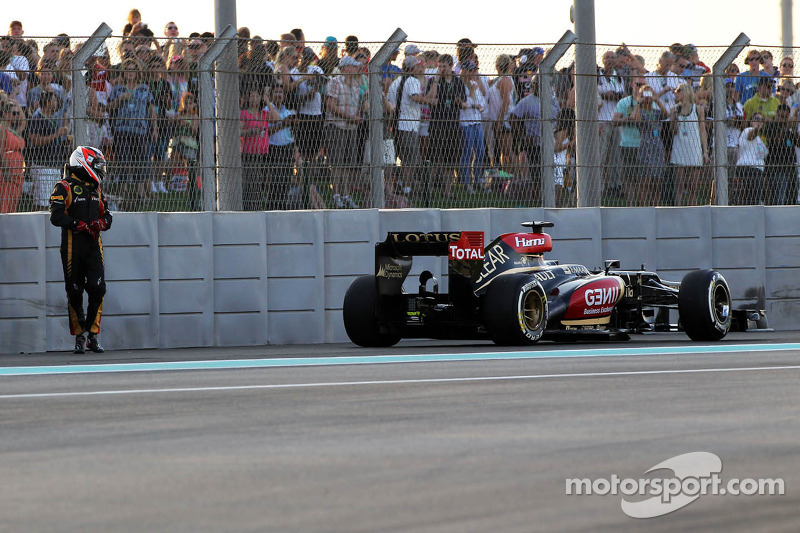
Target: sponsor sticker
{"x":529,"y":243}
{"x":468,"y":247}
{"x":433,"y":237}
{"x":595,"y":299}
{"x":494,"y":256}
{"x":390,"y":272}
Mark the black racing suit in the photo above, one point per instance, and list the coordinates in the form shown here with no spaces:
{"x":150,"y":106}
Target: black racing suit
{"x":74,"y":201}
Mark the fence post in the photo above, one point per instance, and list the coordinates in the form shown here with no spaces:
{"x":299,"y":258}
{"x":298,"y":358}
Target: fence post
{"x":720,"y":142}
{"x":546,"y":68}
{"x":229,"y":150}
{"x":787,"y":39}
{"x":80,"y":96}
{"x":207,"y":116}
{"x":376,"y":115}
{"x":588,"y":164}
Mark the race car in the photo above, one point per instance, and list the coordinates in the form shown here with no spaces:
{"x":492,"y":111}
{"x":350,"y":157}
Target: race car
{"x":509,"y":293}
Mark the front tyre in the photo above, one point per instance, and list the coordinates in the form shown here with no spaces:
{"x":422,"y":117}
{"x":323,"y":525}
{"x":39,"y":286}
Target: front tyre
{"x":360,"y":318}
{"x":704,"y":305}
{"x":515,"y":310}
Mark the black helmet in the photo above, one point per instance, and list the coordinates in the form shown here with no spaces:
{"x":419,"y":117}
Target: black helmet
{"x":88,"y":164}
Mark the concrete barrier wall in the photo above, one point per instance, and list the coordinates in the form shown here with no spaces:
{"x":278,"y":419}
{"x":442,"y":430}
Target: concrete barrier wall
{"x":232,"y":279}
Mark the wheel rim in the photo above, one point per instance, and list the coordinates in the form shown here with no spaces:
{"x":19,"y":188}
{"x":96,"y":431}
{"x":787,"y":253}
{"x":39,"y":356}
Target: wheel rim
{"x":532,"y":310}
{"x":720,"y":303}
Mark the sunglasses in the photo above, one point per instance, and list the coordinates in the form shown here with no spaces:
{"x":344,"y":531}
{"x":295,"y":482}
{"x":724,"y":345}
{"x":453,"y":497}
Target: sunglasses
{"x":787,"y":65}
{"x":754,"y":58}
{"x":172,"y":27}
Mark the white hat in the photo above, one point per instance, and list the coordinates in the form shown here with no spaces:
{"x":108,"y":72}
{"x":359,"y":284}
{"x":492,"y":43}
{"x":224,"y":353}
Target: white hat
{"x":411,"y":62}
{"x":348,"y":61}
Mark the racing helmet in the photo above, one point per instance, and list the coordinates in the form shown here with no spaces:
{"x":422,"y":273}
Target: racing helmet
{"x":88,"y":163}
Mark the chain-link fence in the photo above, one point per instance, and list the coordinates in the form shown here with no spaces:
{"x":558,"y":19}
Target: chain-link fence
{"x":461,"y":124}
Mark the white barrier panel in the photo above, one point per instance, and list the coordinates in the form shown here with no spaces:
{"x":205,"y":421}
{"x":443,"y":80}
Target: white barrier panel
{"x":232,"y":279}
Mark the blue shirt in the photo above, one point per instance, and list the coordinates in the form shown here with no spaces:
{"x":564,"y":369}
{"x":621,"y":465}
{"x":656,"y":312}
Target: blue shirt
{"x":133,"y":115}
{"x":746,"y":85}
{"x":529,"y":109}
{"x":53,"y":153}
{"x":390,"y":71}
{"x":5,"y":83}
{"x":282,"y":137}
{"x":692,"y":75}
{"x":36,"y":93}
{"x":629,"y":136}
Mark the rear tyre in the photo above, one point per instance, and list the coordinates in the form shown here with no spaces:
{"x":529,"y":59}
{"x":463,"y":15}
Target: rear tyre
{"x":359,"y":313}
{"x":704,"y":305}
{"x":515,"y":310}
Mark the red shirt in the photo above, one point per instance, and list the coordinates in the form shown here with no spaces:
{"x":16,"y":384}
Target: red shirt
{"x":257,"y":144}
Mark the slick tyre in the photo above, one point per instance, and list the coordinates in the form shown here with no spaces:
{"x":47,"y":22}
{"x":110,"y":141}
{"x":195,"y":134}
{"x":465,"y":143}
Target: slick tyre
{"x":515,"y":310}
{"x":704,"y":305}
{"x":360,"y":319}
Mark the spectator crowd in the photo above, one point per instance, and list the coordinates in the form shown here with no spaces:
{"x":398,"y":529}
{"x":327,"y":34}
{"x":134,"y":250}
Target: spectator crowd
{"x":451,"y":130}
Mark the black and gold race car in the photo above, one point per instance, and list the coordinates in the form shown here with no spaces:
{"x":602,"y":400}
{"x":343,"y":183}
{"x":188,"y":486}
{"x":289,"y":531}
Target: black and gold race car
{"x":509,"y":293}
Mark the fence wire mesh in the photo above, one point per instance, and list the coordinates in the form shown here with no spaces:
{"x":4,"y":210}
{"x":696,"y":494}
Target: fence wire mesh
{"x":462,"y":124}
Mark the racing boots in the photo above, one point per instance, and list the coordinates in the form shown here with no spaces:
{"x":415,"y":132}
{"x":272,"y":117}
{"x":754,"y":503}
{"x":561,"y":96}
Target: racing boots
{"x":93,"y":344}
{"x":80,"y":344}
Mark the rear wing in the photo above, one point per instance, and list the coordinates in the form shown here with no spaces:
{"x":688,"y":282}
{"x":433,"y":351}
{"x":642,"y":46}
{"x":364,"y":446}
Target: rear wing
{"x":393,"y":257}
{"x":408,"y":244}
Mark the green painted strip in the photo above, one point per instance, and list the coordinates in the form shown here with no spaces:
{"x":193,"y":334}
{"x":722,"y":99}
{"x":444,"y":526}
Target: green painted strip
{"x":381,"y":359}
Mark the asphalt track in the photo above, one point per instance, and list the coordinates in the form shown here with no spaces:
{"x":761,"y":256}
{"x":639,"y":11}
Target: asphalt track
{"x":426,"y":436}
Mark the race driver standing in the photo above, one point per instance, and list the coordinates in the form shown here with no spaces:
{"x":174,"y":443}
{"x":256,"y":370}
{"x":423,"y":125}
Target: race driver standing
{"x":78,"y":207}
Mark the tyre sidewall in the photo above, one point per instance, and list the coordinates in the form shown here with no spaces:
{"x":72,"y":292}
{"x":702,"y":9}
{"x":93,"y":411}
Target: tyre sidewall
{"x":696,"y":305}
{"x":502,"y":310}
{"x":716,"y":281}
{"x":528,"y":286}
{"x":359,"y":315}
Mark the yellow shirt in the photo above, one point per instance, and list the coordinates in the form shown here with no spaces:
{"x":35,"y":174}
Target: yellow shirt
{"x":756,"y":104}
